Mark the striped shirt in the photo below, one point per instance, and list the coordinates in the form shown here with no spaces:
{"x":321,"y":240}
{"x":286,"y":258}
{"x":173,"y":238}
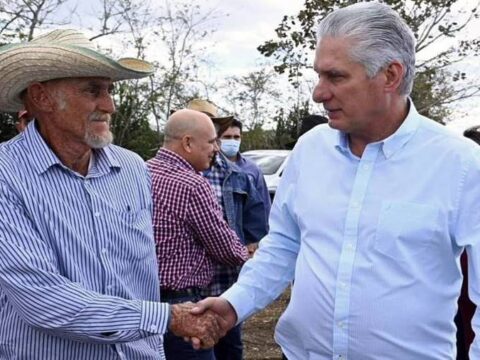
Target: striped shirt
{"x":78,"y":273}
{"x":188,"y":225}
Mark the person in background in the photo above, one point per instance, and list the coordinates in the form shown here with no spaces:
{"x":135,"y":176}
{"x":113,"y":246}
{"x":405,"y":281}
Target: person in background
{"x":230,"y":140}
{"x":78,"y":271}
{"x":245,"y":212}
{"x":372,"y":212}
{"x":190,"y":231}
{"x":307,"y":124}
{"x":466,"y":308}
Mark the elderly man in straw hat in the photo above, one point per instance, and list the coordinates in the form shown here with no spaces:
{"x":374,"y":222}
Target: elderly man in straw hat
{"x":78,"y":271}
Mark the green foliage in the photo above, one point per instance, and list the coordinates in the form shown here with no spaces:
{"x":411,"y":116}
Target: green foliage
{"x":288,"y":125}
{"x":431,"y":21}
{"x":258,"y":138}
{"x":130,"y":124}
{"x":7,"y":126}
{"x":284,"y":135}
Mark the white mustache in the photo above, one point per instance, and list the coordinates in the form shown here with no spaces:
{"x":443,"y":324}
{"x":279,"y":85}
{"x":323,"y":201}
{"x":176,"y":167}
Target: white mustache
{"x":98,"y":116}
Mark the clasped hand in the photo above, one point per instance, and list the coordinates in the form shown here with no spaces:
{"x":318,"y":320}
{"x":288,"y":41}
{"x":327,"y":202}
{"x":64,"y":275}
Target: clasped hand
{"x":203,"y":323}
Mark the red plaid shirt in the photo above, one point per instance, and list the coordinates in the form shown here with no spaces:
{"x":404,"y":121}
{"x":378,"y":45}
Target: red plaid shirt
{"x":188,"y":224}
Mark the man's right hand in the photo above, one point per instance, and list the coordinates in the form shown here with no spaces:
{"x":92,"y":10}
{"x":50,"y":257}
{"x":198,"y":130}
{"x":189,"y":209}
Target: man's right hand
{"x":225,"y":315}
{"x":206,"y":328}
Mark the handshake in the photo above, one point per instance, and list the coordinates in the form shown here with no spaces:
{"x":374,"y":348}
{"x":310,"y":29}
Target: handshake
{"x":203,"y":323}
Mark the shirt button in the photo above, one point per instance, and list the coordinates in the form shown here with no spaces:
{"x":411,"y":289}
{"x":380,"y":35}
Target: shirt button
{"x":109,"y":287}
{"x":97,"y":214}
{"x":153,"y":328}
{"x":104,"y":251}
{"x":356,"y":205}
{"x":340,"y":324}
{"x":343,"y":285}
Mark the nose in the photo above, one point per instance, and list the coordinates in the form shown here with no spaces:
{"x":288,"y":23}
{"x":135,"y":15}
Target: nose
{"x":321,"y":93}
{"x":106,"y":104}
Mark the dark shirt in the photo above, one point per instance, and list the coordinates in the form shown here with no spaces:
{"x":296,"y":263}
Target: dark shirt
{"x":256,"y":175}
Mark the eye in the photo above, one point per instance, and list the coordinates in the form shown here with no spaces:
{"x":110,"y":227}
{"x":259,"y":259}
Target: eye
{"x":335,"y":76}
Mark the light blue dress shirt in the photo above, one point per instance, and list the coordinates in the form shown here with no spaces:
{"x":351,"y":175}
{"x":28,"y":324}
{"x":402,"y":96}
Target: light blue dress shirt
{"x":373,"y":243}
{"x":78,"y":271}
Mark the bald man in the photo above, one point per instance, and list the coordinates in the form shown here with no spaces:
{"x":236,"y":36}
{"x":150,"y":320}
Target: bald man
{"x":190,"y":232}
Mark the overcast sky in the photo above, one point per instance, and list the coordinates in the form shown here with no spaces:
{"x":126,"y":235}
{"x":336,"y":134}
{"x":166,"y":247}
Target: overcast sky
{"x":250,"y":22}
{"x":243,"y":25}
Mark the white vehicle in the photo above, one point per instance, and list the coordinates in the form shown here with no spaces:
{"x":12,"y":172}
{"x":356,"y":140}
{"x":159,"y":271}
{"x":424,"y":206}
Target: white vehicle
{"x":272,"y":163}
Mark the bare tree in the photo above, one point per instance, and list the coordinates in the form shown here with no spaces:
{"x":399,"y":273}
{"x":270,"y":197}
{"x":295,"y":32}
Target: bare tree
{"x":179,"y":34}
{"x":20,"y":18}
{"x":254,"y":96}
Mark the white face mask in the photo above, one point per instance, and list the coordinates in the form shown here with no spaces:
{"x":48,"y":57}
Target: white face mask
{"x":230,"y":147}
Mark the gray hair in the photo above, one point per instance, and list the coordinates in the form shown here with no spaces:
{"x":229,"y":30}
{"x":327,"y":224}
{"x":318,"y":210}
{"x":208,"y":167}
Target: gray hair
{"x":380,"y":36}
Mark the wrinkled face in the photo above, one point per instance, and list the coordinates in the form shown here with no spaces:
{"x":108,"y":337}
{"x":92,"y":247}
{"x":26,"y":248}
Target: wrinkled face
{"x":352,"y":100}
{"x":203,"y":145}
{"x":84,"y":109}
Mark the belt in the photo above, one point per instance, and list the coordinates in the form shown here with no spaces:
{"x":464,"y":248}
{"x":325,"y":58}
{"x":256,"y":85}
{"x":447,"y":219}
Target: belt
{"x":173,"y":294}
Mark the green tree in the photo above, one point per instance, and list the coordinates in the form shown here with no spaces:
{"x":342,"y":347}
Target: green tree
{"x":288,"y":125}
{"x":433,"y":22}
{"x":7,"y":127}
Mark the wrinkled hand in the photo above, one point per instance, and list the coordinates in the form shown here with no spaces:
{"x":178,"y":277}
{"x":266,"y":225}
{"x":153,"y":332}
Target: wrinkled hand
{"x":252,"y":248}
{"x":225,"y":315}
{"x":205,"y":328}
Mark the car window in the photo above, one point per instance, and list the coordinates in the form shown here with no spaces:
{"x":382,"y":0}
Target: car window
{"x":269,"y":164}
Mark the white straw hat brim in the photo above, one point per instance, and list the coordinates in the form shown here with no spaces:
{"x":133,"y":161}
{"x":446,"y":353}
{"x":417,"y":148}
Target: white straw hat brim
{"x":23,"y":64}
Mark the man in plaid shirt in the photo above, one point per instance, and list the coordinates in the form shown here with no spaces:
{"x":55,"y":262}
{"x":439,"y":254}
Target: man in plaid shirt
{"x":245,"y":211}
{"x":190,"y":232}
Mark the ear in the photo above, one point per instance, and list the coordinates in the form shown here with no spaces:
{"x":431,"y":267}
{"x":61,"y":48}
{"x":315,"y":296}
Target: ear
{"x":187,"y":143}
{"x":39,"y":96}
{"x":393,"y":76}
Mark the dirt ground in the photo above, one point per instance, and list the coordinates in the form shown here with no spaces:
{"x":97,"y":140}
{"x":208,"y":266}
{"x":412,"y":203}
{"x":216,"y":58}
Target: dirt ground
{"x":258,"y":331}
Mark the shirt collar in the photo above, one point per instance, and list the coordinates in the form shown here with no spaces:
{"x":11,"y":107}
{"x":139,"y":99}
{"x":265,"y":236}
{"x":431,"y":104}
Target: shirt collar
{"x":46,"y":158}
{"x":173,"y":158}
{"x":221,"y":161}
{"x":394,"y":142}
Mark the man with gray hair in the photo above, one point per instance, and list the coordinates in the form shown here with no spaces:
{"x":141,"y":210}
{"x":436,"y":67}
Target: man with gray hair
{"x":372,"y":212}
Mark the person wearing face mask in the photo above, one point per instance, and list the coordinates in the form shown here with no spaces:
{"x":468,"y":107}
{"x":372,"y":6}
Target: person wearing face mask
{"x":231,"y":139}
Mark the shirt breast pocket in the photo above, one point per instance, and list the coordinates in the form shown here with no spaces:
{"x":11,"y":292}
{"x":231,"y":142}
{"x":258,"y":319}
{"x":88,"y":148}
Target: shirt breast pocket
{"x":406,"y":230}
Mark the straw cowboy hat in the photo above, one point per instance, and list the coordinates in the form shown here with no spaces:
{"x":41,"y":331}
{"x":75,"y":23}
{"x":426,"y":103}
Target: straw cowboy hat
{"x":58,"y":54}
{"x":211,"y":110}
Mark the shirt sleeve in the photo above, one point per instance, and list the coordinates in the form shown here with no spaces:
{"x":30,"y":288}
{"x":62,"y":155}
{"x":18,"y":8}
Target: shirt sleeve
{"x":255,"y":218}
{"x":264,"y":277}
{"x":30,"y":277}
{"x":205,"y":217}
{"x":467,"y":234}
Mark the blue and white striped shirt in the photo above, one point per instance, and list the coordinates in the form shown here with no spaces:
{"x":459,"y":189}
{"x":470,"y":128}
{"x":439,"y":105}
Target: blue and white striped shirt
{"x":78,"y":271}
